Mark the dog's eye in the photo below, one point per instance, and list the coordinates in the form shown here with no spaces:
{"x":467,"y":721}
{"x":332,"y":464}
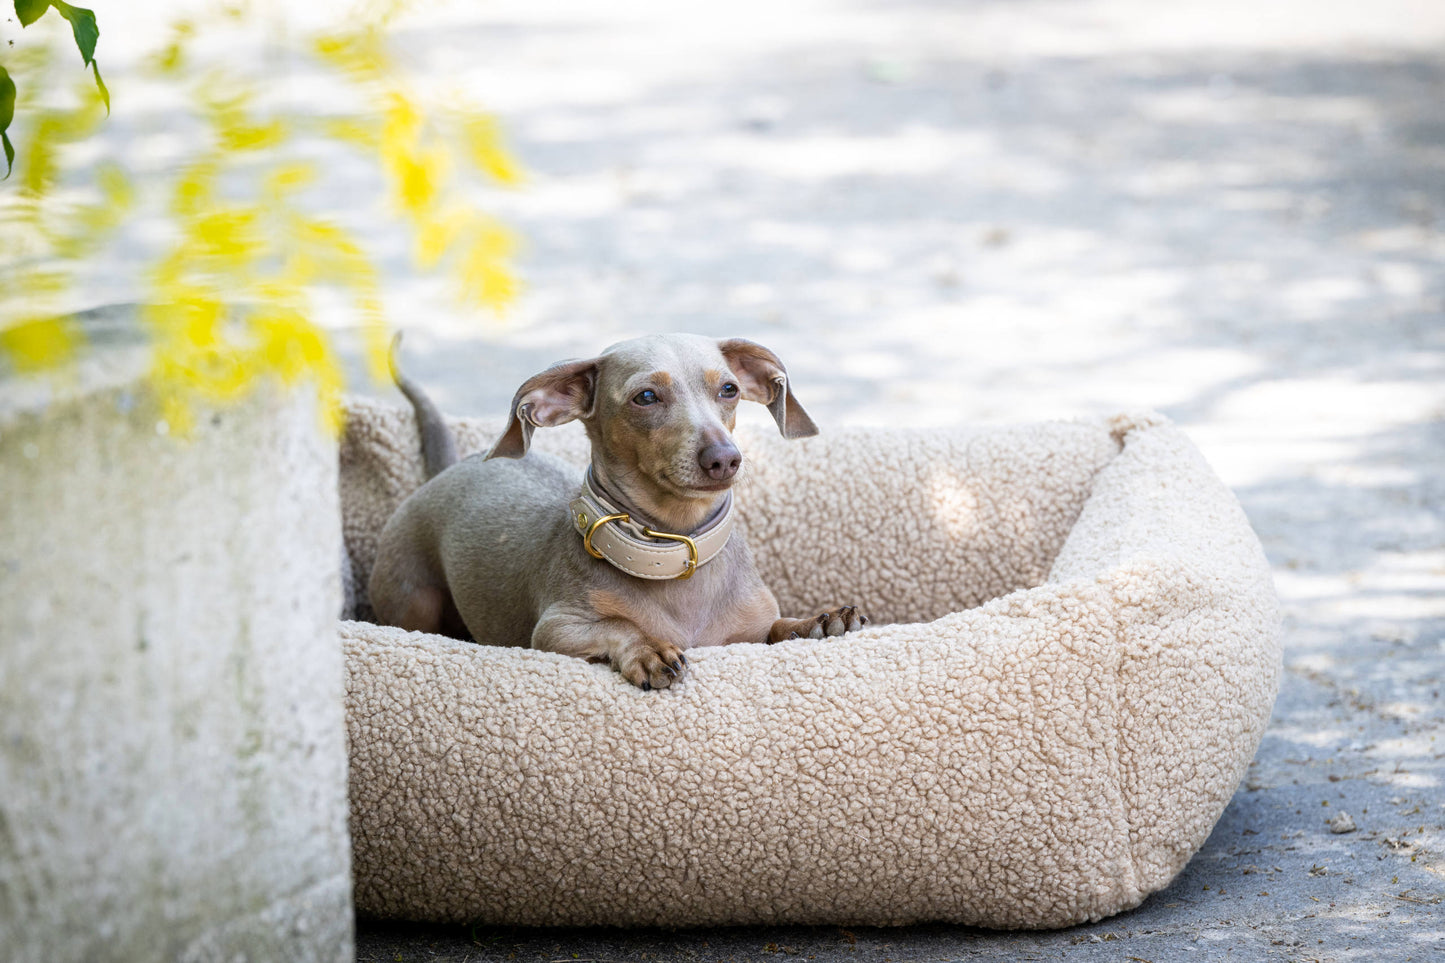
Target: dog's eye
{"x":729,"y":390}
{"x":644,"y":398}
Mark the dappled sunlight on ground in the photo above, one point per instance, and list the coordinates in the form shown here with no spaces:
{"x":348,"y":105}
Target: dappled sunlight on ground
{"x":953,"y":213}
{"x":950,"y":214}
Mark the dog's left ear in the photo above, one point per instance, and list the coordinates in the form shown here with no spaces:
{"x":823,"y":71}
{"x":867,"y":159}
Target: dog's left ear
{"x":763,"y":379}
{"x":564,"y":392}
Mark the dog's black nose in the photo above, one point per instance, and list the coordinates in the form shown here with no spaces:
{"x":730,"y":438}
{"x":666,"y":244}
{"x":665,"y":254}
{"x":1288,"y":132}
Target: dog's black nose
{"x":720,"y":460}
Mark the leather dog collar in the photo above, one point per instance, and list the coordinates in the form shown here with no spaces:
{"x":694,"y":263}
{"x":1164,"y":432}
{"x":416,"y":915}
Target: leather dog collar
{"x":610,"y":534}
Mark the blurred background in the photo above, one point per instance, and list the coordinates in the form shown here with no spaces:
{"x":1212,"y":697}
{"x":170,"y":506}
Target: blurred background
{"x":937,"y":213}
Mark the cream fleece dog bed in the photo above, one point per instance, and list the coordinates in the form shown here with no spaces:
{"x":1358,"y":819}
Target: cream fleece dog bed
{"x":1073,"y":657}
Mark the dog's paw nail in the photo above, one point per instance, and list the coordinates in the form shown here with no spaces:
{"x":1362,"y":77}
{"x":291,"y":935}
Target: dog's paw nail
{"x":647,"y":687}
{"x":676,"y":666}
{"x":682,"y":657}
{"x":792,"y":636}
{"x":863,"y":620}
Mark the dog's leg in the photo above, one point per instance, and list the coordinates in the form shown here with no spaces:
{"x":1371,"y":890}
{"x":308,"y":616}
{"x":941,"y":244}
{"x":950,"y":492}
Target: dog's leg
{"x":406,"y":592}
{"x":422,"y":610}
{"x":836,"y":622}
{"x":425,"y":609}
{"x":646,"y":662}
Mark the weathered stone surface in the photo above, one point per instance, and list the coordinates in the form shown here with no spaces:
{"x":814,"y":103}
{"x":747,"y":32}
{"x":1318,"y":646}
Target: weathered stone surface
{"x":172,"y":758}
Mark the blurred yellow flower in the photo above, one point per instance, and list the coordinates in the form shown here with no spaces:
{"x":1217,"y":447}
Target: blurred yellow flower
{"x":231,"y":302}
{"x":435,"y":233}
{"x":39,"y":344}
{"x":358,"y":53}
{"x":286,"y":179}
{"x":487,"y":152}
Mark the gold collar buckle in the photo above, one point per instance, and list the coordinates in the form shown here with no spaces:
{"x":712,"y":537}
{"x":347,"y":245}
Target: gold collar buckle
{"x":587,"y":539}
{"x":624,"y":517}
{"x":691,"y":550}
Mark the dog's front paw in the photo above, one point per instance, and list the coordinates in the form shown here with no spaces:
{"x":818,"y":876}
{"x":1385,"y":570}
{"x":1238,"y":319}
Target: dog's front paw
{"x":835,"y":622}
{"x":651,"y":664}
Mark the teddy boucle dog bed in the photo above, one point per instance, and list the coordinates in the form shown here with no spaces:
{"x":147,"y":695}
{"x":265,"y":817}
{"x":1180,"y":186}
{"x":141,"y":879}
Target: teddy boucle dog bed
{"x":1074,"y":654}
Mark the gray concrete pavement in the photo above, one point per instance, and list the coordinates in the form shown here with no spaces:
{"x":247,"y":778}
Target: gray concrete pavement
{"x":980,"y":212}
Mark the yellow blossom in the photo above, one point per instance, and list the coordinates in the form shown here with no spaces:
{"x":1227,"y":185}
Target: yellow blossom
{"x":232,"y":302}
{"x":286,"y":179}
{"x":39,"y":344}
{"x":484,"y":142}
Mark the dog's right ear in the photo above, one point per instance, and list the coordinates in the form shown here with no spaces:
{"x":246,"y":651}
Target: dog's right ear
{"x":564,"y":392}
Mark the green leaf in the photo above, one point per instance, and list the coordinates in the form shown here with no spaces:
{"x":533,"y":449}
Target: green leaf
{"x":104,"y":94}
{"x":29,"y":11}
{"x":7,"y":99}
{"x":82,"y":24}
{"x":7,"y":114}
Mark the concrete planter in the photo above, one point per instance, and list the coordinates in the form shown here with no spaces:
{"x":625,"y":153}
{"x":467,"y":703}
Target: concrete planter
{"x":172,"y":748}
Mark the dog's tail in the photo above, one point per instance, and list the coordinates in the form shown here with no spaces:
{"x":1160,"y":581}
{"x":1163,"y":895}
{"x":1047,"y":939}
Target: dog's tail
{"x":438,"y":448}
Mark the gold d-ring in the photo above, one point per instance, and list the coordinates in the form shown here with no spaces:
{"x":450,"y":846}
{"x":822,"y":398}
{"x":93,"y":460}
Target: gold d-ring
{"x":587,"y":539}
{"x":691,"y":550}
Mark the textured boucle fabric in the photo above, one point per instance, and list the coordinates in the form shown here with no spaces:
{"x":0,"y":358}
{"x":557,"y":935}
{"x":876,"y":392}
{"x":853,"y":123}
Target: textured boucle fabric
{"x":1075,"y":653}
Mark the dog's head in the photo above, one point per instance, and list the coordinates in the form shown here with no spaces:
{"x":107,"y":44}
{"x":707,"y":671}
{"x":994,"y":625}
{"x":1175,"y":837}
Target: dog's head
{"x":660,"y":412}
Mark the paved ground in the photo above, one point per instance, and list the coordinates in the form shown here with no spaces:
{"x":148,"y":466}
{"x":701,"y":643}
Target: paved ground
{"x":942,"y":213}
{"x":985,"y":211}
